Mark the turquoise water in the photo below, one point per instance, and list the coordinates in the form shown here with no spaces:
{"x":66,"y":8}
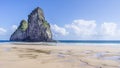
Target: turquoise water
{"x":78,"y":41}
{"x":67,"y":42}
{"x":90,"y":41}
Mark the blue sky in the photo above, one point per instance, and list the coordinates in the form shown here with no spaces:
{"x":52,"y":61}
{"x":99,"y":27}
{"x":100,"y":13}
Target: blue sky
{"x":69,"y":19}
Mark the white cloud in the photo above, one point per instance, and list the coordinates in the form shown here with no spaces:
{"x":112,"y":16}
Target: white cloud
{"x":59,"y":30}
{"x":109,"y":29}
{"x":82,"y":27}
{"x":2,"y":31}
{"x":14,"y":27}
{"x":88,"y":29}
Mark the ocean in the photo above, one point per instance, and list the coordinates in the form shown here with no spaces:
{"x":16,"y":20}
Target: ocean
{"x":67,"y":42}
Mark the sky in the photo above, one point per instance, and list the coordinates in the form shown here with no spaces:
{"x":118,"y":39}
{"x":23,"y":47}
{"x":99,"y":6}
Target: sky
{"x":69,"y":19}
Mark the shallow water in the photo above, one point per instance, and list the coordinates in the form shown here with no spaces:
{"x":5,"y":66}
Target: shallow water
{"x":116,"y":58}
{"x":107,"y":56}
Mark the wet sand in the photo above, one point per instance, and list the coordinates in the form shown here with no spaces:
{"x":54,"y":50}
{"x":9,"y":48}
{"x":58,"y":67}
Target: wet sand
{"x":30,"y":56}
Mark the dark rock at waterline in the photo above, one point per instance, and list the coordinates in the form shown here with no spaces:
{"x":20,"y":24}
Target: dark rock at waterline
{"x":37,"y":29}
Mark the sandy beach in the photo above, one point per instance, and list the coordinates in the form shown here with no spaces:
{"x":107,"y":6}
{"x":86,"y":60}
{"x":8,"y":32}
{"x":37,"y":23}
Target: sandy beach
{"x":30,"y":56}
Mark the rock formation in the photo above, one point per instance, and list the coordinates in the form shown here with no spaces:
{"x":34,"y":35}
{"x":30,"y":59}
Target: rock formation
{"x":36,"y":30}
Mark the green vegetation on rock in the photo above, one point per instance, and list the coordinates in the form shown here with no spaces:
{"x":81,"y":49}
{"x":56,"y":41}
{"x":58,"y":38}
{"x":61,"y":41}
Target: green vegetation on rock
{"x":45,"y":23}
{"x":24,"y":25}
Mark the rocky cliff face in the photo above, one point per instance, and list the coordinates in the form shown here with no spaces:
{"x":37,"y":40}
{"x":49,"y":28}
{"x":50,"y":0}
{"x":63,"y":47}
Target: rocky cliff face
{"x":36,"y":30}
